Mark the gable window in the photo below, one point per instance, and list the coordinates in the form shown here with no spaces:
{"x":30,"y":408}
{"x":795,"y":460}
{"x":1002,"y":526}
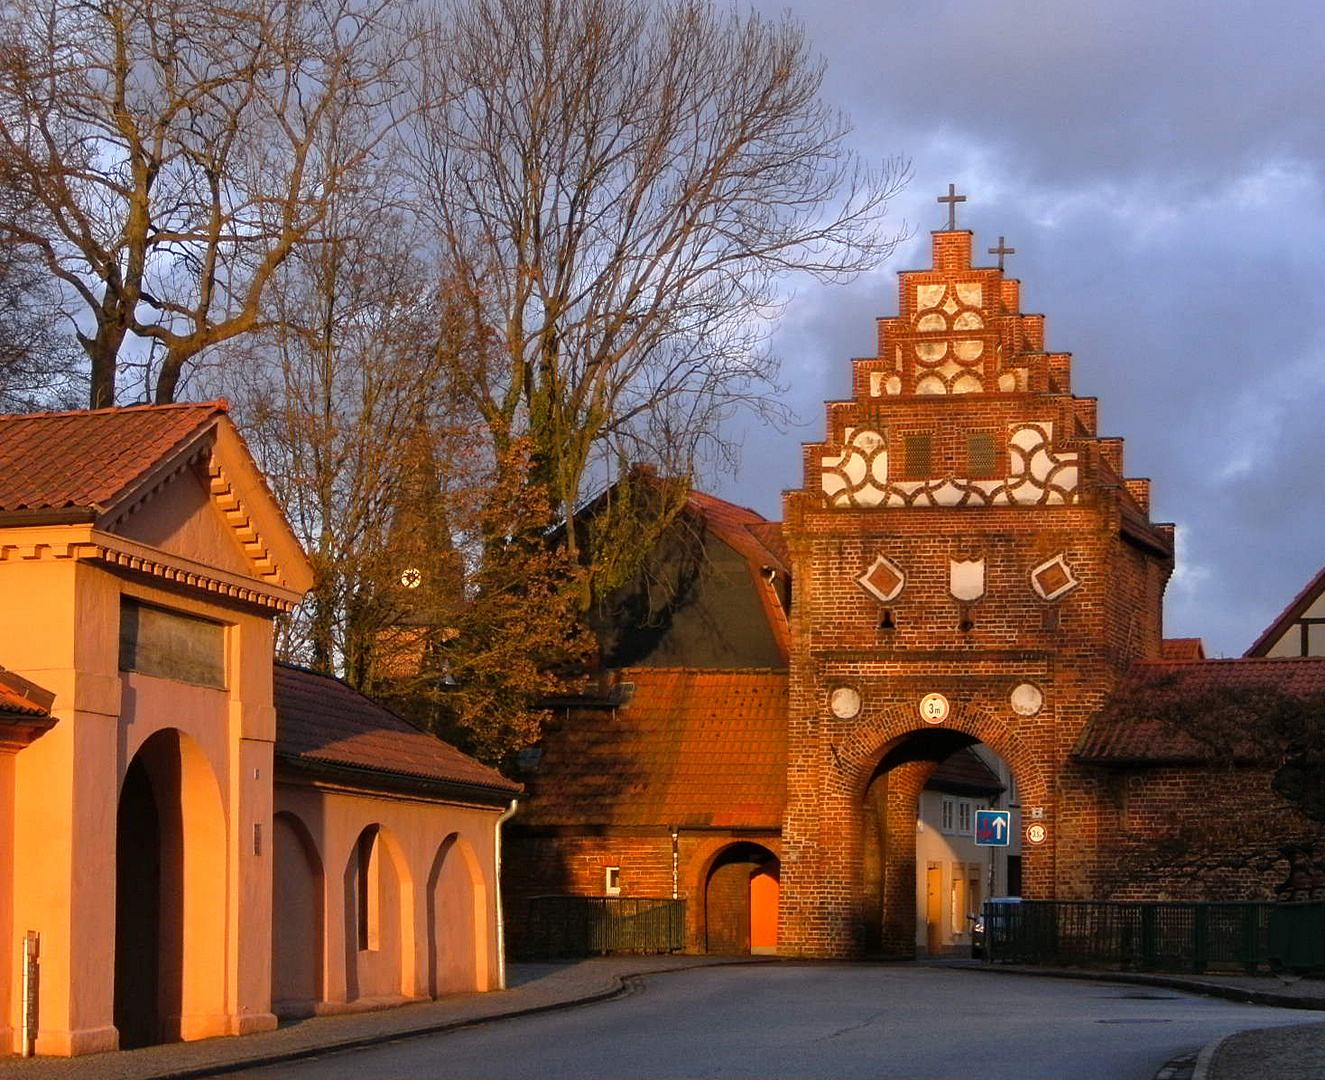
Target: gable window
{"x":981,"y":455}
{"x":947,"y":817}
{"x":171,"y":645}
{"x":918,"y":455}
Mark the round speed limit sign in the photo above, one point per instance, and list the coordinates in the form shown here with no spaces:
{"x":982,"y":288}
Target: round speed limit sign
{"x":933,"y":708}
{"x":1036,"y":833}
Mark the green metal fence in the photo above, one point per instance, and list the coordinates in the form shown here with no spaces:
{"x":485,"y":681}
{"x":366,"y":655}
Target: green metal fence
{"x":571,"y":926}
{"x":1156,"y":936}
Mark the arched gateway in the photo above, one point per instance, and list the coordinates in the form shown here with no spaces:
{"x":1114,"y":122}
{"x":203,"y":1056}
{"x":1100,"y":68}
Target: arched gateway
{"x":967,"y":561}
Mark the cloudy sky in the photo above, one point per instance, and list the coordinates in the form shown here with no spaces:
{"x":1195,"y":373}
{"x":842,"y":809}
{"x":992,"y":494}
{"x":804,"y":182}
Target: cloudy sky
{"x":1158,"y":167}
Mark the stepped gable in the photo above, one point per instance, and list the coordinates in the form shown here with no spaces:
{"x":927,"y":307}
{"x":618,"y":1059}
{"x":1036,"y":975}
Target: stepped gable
{"x":322,"y":722}
{"x":683,"y":747}
{"x":1013,"y":434}
{"x":87,"y":460}
{"x":1113,"y":740}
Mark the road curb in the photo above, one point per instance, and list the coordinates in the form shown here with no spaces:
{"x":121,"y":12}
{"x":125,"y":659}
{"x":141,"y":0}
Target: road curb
{"x":1246,"y":995}
{"x":1201,"y":1070}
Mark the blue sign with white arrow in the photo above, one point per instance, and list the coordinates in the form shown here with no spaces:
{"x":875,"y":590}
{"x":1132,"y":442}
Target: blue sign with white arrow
{"x":993,"y":828}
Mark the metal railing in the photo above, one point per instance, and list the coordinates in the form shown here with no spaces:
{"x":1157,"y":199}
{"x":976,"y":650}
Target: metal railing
{"x":1157,"y":936}
{"x":571,"y":926}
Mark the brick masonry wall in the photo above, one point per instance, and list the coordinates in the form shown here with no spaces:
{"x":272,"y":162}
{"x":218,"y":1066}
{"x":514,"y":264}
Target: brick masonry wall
{"x":564,"y":863}
{"x":1073,"y":648}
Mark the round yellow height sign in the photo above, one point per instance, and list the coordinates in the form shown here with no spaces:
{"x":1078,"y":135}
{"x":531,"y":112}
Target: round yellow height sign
{"x":934,"y":708}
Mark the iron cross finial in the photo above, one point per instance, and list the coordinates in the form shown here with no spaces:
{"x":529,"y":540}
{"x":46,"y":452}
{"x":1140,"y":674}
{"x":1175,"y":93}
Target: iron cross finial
{"x":952,"y":199}
{"x":1000,"y":251}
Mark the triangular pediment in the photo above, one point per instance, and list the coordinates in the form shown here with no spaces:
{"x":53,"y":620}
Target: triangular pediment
{"x":208,"y":503}
{"x":181,"y":517}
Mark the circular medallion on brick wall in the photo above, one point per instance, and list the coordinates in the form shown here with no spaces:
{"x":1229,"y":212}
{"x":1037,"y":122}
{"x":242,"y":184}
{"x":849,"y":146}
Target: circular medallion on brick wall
{"x":1036,"y":833}
{"x":933,"y":708}
{"x":1027,"y":699}
{"x":844,"y":702}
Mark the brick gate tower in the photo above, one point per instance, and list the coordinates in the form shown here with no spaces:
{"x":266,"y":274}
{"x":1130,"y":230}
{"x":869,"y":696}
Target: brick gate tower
{"x":969,"y":566}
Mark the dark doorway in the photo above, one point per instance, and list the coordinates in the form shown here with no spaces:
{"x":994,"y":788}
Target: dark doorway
{"x":727,"y":898}
{"x":137,"y":911}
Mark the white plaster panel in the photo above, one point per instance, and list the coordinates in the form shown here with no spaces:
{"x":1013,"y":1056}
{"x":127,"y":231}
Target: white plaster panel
{"x":894,"y":385}
{"x":868,"y":441}
{"x":968,"y":320}
{"x":879,"y":468}
{"x":931,"y":385}
{"x":845,"y":702}
{"x":967,"y":384}
{"x":1027,"y":699}
{"x":949,"y":494}
{"x":928,"y":296}
{"x":968,"y":350}
{"x":966,"y":578}
{"x":970,"y":292}
{"x":932,"y":322}
{"x":1041,"y":465}
{"x":931,"y":352}
{"x":1007,"y":382}
{"x":876,"y":383}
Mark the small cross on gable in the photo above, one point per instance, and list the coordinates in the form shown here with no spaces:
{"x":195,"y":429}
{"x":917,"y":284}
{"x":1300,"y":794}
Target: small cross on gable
{"x":952,"y":199}
{"x":1000,"y":251}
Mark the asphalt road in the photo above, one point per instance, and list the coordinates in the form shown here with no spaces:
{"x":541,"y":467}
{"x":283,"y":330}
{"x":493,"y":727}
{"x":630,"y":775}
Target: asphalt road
{"x":882,"y":1022}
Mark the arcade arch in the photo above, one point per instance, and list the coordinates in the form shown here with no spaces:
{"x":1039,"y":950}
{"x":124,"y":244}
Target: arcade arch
{"x":457,"y":920}
{"x":379,"y":930}
{"x":298,"y":918}
{"x":170,"y":894}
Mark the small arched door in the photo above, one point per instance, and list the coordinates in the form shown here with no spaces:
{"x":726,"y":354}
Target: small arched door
{"x":740,"y":900}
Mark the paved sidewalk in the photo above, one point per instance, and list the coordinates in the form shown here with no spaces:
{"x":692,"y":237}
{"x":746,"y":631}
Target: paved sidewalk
{"x":534,"y":988}
{"x":1295,"y":1052}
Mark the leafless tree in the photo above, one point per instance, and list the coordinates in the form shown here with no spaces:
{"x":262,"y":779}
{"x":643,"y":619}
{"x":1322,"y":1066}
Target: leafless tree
{"x":623,"y":188}
{"x":170,"y":155}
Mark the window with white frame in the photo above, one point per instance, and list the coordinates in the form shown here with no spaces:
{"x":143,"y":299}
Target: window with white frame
{"x":948,"y":815}
{"x":612,"y":880}
{"x":964,"y":816}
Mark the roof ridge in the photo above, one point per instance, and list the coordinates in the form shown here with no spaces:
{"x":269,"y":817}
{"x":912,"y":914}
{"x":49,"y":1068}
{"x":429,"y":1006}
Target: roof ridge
{"x":1229,"y":660}
{"x":221,"y":404}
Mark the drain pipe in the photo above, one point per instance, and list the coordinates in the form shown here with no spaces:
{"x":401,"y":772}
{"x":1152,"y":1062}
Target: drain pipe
{"x":501,"y":918}
{"x":31,"y":952}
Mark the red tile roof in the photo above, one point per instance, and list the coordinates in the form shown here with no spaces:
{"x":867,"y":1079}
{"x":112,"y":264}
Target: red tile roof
{"x":1295,"y":608}
{"x":691,"y":748}
{"x":1182,"y":648}
{"x":25,"y":711}
{"x":322,"y":721}
{"x":1150,"y":688}
{"x":86,"y":459}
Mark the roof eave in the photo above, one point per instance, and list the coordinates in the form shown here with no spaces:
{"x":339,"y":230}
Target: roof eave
{"x":387,"y":780}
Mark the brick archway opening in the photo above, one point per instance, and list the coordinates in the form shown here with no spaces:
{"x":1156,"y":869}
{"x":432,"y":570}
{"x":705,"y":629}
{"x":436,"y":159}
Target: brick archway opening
{"x":922,"y":874}
{"x":741,"y":891}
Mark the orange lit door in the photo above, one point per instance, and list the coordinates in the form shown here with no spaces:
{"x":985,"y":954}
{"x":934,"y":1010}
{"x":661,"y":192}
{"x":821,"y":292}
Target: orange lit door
{"x":764,"y":912}
{"x":933,"y":909}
